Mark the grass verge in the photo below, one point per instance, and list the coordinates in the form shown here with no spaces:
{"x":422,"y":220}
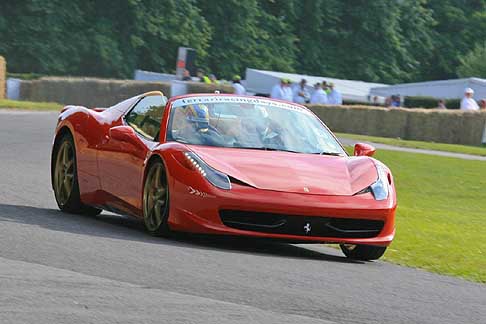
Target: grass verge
{"x":441,"y":215}
{"x":28,"y":105}
{"x":465,"y":149}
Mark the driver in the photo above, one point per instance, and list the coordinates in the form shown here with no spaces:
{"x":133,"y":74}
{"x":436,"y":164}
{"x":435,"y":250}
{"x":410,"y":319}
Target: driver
{"x":196,"y":128}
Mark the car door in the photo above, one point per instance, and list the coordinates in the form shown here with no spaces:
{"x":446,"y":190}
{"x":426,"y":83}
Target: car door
{"x":121,"y":158}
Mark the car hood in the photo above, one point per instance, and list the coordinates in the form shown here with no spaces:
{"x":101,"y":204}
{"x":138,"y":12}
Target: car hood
{"x":292,"y":172}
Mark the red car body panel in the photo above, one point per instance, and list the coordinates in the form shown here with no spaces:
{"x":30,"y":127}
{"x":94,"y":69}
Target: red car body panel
{"x":111,"y":175}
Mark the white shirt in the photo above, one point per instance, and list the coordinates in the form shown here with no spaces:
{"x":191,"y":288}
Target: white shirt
{"x":319,"y":97}
{"x":282,"y":93}
{"x":469,"y":104}
{"x":239,"y":89}
{"x":298,"y":98}
{"x":335,"y":98}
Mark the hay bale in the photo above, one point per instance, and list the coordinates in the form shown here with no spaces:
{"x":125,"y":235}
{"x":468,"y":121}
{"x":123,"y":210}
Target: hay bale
{"x":200,"y":87}
{"x":90,"y":92}
{"x":331,"y":116}
{"x":432,"y":125}
{"x":393,"y":122}
{"x":473,"y":124}
{"x":3,"y":77}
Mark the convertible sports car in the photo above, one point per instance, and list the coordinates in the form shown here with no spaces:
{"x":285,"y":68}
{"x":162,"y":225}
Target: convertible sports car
{"x":227,"y":165}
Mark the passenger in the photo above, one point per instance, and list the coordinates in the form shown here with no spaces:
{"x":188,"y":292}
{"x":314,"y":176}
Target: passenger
{"x":269,"y":133}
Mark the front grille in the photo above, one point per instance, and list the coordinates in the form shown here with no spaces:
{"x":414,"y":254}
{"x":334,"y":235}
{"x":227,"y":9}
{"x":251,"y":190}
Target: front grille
{"x":301,"y":225}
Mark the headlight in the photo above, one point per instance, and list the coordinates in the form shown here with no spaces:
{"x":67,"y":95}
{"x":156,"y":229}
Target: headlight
{"x":216,"y":178}
{"x":380,"y":188}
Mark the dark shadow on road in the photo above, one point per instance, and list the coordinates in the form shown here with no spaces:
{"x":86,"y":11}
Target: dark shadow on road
{"x":127,"y":228}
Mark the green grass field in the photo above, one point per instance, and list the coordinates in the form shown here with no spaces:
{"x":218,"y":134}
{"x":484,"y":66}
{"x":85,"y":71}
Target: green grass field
{"x":466,"y":149}
{"x":441,"y":215}
{"x":28,"y":105}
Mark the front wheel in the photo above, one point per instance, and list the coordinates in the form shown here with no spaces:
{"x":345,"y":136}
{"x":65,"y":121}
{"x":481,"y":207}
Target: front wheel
{"x":363,"y":252}
{"x":156,"y":200}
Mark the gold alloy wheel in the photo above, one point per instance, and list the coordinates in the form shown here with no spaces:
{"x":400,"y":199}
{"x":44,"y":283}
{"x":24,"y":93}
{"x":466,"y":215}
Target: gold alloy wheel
{"x":155,"y":197}
{"x":64,"y":173}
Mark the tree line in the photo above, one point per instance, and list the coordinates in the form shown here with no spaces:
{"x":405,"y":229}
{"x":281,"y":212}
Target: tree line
{"x":387,"y":41}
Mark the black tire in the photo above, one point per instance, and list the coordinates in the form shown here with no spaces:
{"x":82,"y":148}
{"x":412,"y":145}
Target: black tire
{"x":155,"y":203}
{"x":363,"y":252}
{"x":68,"y":201}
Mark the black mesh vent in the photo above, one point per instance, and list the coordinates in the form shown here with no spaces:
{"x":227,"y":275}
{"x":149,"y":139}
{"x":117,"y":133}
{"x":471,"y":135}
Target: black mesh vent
{"x":301,"y":225}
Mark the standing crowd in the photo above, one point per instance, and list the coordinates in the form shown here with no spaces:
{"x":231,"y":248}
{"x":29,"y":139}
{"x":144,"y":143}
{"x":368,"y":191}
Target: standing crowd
{"x":322,"y":94}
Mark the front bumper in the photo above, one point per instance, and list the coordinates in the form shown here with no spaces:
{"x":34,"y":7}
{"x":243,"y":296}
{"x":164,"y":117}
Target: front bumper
{"x":197,"y":209}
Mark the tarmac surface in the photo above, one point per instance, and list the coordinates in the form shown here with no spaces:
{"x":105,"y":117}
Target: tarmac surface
{"x":58,"y":268}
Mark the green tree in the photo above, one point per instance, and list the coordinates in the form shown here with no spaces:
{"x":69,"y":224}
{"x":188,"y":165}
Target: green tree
{"x":456,"y":32}
{"x":370,"y":45}
{"x":473,"y":63}
{"x":417,"y":37}
{"x":244,"y":36}
{"x":160,"y":28}
{"x":317,"y":31}
{"x":41,"y":36}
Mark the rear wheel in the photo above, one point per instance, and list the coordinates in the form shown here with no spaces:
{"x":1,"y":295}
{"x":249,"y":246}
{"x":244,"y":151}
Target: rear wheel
{"x":156,"y":200}
{"x":65,"y":179}
{"x":363,"y":252}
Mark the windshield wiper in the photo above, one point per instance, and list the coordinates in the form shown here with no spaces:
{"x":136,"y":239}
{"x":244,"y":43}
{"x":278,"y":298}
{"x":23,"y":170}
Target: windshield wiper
{"x":264,"y":148}
{"x":329,"y":153}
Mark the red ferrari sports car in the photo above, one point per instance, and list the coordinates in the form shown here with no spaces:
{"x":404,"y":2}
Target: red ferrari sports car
{"x":227,"y":165}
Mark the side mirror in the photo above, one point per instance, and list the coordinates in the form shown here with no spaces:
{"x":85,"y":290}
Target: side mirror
{"x":125,"y":134}
{"x":362,"y":149}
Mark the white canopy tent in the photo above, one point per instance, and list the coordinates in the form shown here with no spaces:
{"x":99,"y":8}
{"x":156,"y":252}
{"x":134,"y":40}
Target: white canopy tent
{"x":444,"y":89}
{"x":261,"y":82}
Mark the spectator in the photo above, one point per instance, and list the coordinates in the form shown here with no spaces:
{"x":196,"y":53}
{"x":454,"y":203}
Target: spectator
{"x":375,"y":101}
{"x":395,"y":101}
{"x":325,"y":87}
{"x":334,"y":97}
{"x":441,"y":104}
{"x":301,"y":95}
{"x":468,"y":102}
{"x":319,"y":96}
{"x":282,"y":90}
{"x":239,"y":89}
{"x":388,"y":101}
{"x":186,"y":76}
{"x":482,"y":104}
{"x":202,"y":77}
{"x":213,"y":79}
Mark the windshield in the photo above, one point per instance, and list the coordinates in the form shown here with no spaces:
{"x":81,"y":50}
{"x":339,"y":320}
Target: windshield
{"x":252,"y":123}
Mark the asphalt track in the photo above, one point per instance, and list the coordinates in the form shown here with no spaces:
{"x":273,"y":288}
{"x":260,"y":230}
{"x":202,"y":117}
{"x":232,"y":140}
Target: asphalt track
{"x":57,"y":268}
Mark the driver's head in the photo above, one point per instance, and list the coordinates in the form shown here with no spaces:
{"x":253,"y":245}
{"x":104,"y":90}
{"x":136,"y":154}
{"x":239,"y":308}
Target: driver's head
{"x":198,"y":116}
